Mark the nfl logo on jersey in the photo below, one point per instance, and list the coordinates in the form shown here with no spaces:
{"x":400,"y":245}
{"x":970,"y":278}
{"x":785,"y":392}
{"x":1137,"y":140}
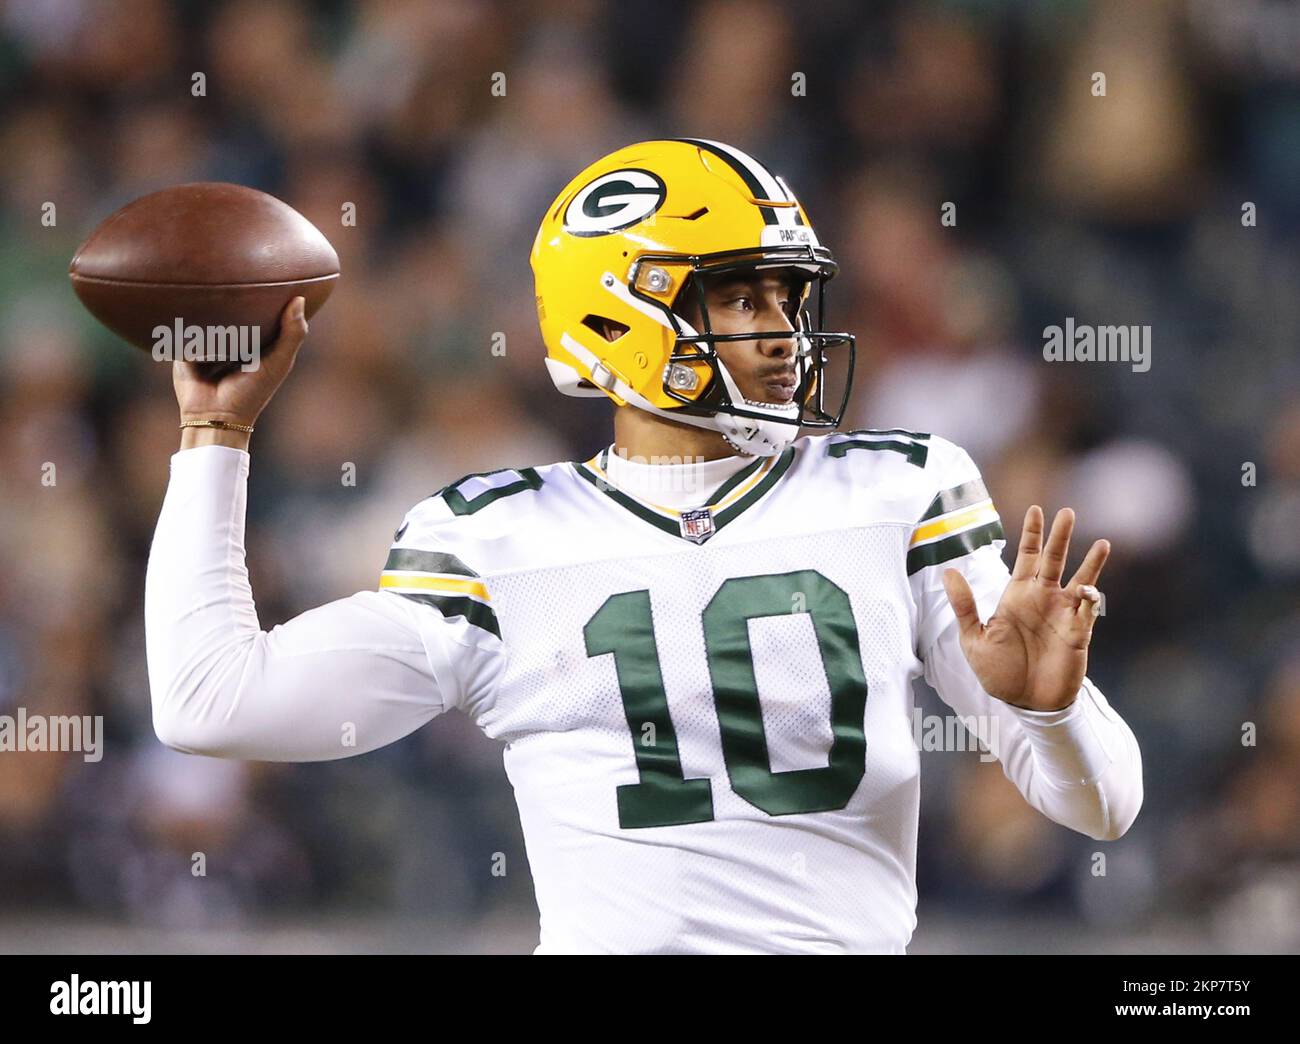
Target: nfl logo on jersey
{"x":697,"y":525}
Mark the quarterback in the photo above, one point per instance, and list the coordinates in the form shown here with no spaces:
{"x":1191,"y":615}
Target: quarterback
{"x":698,"y":645}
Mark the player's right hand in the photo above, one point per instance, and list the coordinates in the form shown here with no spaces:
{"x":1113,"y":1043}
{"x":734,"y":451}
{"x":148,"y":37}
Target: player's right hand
{"x":239,"y":396}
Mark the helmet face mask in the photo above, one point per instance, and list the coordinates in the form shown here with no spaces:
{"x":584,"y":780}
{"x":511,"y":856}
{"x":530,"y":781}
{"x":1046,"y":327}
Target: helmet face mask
{"x":635,"y":238}
{"x":807,"y":408}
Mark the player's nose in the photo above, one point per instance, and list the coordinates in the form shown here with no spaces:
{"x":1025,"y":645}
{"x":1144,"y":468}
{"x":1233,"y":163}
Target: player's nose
{"x":777,"y":319}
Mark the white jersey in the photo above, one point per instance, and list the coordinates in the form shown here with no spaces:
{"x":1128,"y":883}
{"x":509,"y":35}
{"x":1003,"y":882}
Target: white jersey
{"x":707,"y":713}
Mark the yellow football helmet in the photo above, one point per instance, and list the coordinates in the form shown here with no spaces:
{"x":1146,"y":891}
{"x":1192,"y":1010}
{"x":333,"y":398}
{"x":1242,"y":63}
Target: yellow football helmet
{"x":621,"y":243}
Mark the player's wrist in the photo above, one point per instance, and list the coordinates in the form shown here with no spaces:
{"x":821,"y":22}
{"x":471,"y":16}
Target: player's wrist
{"x":214,"y":436}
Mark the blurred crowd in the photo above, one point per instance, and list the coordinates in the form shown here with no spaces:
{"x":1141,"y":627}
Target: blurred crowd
{"x":1128,"y":207}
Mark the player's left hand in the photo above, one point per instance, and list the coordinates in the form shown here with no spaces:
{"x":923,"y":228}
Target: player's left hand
{"x":1033,"y":651}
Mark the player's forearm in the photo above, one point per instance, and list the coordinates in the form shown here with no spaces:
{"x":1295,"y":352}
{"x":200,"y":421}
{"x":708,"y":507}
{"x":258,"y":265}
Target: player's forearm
{"x":1083,"y":768}
{"x":1080,"y":766}
{"x":199,"y":610}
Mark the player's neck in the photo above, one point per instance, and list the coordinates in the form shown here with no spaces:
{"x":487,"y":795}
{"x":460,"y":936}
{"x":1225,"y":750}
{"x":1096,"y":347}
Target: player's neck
{"x":642,"y":436}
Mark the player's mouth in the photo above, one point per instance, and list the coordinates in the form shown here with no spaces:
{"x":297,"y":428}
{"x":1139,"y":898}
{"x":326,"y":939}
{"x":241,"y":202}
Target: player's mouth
{"x":780,"y":387}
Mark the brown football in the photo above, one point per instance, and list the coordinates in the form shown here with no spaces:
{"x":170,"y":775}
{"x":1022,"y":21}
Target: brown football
{"x":208,"y":255}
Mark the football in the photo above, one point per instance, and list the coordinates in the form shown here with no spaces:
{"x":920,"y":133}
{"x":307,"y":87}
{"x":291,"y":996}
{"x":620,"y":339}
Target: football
{"x":207,"y":256}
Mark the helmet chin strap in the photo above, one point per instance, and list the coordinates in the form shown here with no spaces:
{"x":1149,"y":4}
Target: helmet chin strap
{"x":761,"y":438}
{"x":745,"y":435}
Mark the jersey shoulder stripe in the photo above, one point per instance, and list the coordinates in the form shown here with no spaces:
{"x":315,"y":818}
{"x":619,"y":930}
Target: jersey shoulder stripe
{"x":963,"y":495}
{"x":960,"y":517}
{"x":472,"y":611}
{"x":441,"y":581}
{"x":451,"y":545}
{"x":953,"y":536}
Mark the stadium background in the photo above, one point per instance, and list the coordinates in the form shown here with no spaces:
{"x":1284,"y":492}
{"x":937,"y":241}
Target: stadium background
{"x":1125,"y":209}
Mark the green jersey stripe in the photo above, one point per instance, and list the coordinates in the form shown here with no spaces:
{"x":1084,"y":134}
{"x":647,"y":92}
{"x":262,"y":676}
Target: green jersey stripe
{"x":953,"y":546}
{"x":754,"y":495}
{"x":476,"y":613}
{"x":961,"y":496}
{"x":735,"y":480}
{"x":672,"y":525}
{"x":411,"y":560}
{"x":636,"y":507}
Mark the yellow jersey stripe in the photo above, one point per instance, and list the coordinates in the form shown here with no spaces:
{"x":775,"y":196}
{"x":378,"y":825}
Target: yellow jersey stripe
{"x":430,"y":582}
{"x":976,"y":514}
{"x":745,"y":486}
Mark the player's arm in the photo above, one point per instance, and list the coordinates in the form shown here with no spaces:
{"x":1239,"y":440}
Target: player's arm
{"x":341,"y":679}
{"x":1058,"y":739}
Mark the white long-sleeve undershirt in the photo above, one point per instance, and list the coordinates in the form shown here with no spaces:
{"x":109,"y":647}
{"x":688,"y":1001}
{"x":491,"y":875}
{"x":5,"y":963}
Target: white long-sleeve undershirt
{"x":344,"y":678}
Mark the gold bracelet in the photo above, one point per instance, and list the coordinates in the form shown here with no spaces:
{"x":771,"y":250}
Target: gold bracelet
{"x":222,"y":425}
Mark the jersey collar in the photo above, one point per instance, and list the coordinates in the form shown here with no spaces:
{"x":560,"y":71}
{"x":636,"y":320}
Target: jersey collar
{"x":739,"y":493}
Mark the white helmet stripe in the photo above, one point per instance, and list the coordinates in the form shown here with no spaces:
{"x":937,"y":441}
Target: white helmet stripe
{"x":619,"y":289}
{"x":759,"y":172}
{"x":759,"y":179}
{"x":773,"y":188}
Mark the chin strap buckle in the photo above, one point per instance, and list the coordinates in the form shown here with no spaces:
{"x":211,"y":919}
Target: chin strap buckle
{"x":602,"y":377}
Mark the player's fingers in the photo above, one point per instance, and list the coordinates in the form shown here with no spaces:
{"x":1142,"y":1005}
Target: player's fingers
{"x":1090,"y":568}
{"x":293,"y":324}
{"x":962,"y":600}
{"x":1090,"y":605}
{"x":1052,"y":563}
{"x":293,"y":331}
{"x":1031,"y":543}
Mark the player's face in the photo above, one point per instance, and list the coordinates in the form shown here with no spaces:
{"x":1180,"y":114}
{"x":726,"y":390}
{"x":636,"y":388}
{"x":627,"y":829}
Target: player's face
{"x":760,"y":302}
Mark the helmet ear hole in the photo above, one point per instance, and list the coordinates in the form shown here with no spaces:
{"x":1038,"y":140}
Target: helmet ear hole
{"x":610,"y":329}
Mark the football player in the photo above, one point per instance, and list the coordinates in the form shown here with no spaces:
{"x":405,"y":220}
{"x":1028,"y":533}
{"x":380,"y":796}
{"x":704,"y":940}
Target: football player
{"x":698,"y":645}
